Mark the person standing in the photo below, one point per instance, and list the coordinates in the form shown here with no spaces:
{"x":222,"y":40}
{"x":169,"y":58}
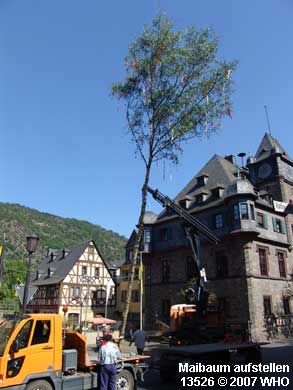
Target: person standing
{"x":108,"y":356}
{"x":138,"y":338}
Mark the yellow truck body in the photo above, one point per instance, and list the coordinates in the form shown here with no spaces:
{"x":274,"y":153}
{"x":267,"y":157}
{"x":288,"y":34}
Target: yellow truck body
{"x":32,"y":356}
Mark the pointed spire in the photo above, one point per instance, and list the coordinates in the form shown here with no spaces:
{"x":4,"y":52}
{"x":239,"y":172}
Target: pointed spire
{"x":268,"y":146}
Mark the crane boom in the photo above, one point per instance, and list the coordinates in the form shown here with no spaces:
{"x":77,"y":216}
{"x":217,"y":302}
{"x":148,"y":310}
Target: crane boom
{"x":187,"y":219}
{"x":193,"y":228}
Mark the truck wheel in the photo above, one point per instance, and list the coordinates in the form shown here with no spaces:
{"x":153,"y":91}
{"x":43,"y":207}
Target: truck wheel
{"x":39,"y":385}
{"x":124,"y":381}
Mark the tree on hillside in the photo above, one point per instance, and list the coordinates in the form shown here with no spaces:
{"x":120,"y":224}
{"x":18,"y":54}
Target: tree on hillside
{"x":175,"y":89}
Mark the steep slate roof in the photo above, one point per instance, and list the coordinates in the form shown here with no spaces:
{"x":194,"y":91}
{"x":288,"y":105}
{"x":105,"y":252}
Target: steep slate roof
{"x":59,"y":265}
{"x":268,"y":146}
{"x":220,"y":172}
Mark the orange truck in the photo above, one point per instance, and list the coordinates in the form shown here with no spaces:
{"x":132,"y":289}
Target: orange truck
{"x":35,"y":356}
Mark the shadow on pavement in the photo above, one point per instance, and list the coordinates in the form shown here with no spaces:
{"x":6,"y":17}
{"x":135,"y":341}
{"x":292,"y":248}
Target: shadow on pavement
{"x":272,"y":353}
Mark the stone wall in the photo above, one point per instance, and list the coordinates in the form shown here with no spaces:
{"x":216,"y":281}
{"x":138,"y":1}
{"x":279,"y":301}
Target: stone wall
{"x":259,"y":286}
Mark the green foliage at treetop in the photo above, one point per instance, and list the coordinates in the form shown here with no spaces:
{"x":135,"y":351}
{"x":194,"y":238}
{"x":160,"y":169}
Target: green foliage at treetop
{"x":176,"y":88}
{"x":54,"y":232}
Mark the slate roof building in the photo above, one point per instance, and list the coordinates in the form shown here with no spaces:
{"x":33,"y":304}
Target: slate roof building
{"x":74,"y":281}
{"x":249,"y":209}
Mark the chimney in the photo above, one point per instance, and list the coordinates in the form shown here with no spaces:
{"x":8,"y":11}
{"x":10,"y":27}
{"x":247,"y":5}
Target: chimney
{"x":250,"y":160}
{"x":241,"y":155}
{"x":231,"y":158}
{"x":64,"y":254}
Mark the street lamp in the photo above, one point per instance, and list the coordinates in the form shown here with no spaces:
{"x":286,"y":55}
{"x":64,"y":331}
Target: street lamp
{"x":89,"y":280}
{"x":31,"y":246}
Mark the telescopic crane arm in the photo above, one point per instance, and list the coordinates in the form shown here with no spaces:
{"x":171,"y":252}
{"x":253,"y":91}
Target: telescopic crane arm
{"x":193,"y":229}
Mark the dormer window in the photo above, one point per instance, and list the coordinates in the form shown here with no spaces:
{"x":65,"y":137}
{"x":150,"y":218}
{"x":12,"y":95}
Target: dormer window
{"x":200,"y":198}
{"x":202,"y":180}
{"x":185,"y":203}
{"x":217,"y":192}
{"x":182,"y":203}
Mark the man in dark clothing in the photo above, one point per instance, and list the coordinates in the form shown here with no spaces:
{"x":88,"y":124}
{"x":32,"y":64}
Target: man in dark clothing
{"x":108,"y":356}
{"x":138,"y":338}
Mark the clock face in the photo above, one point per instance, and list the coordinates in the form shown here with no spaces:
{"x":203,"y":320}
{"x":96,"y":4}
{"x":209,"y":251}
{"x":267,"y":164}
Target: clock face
{"x":264,"y":170}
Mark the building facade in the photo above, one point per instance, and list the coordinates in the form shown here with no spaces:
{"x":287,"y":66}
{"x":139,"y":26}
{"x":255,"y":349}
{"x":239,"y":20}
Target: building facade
{"x":74,"y":282}
{"x":249,"y":208}
{"x":134,"y":308}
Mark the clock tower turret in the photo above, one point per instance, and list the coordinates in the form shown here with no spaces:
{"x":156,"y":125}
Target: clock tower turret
{"x":272,"y":170}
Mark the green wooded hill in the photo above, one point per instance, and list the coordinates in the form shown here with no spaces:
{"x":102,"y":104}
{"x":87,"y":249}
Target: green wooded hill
{"x":55,"y":232}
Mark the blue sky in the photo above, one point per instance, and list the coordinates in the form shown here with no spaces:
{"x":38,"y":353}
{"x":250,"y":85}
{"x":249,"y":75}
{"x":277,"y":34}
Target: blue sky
{"x":64,"y":142}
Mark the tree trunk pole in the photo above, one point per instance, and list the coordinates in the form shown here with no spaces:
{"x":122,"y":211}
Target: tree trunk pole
{"x":136,"y":246}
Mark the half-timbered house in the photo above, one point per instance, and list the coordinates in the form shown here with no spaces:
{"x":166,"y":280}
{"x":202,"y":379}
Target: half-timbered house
{"x":75,"y":282}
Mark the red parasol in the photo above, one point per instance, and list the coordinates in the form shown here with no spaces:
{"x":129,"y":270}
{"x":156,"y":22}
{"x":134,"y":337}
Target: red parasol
{"x":102,"y":320}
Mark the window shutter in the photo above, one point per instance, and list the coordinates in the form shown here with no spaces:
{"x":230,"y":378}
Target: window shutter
{"x":265,"y":221}
{"x":283,"y":227}
{"x":274,"y":224}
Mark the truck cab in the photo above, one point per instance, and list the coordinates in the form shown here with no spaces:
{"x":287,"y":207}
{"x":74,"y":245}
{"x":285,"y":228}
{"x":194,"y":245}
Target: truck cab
{"x":30,"y":344}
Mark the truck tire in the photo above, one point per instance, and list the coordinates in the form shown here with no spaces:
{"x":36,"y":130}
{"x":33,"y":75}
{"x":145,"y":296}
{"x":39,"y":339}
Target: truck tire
{"x":39,"y":385}
{"x":125,"y":380}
